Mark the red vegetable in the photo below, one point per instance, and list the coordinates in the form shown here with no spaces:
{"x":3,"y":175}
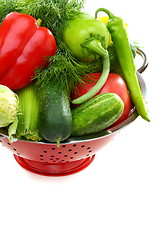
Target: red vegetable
{"x":114,"y":84}
{"x":24,"y":47}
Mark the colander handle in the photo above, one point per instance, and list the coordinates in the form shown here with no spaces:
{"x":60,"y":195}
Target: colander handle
{"x":3,"y":133}
{"x":1,"y":136}
{"x":145,"y":60}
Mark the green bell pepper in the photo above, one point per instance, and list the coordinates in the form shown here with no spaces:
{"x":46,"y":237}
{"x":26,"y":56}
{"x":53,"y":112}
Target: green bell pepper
{"x":88,"y":39}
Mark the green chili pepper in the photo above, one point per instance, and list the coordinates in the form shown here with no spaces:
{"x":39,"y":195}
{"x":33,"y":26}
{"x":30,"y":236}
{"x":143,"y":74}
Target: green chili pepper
{"x":88,"y":39}
{"x":124,"y":54}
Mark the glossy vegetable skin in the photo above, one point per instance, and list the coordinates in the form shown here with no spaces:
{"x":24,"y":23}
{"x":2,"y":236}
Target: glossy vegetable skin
{"x":24,"y":47}
{"x":88,"y":39}
{"x":96,"y":114}
{"x":124,"y":54}
{"x":28,"y":115}
{"x":84,"y":31}
{"x":114,"y":63}
{"x":55,"y":113}
{"x":113,"y":84}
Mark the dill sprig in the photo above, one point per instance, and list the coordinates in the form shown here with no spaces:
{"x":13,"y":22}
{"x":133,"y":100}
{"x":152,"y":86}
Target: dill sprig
{"x":66,"y":69}
{"x":7,"y":6}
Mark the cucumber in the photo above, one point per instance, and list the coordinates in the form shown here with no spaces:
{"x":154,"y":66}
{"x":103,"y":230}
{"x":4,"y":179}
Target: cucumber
{"x":96,"y":114}
{"x":55,"y":113}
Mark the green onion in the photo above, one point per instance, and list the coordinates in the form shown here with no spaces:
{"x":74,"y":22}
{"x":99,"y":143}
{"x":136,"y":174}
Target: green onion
{"x":28,"y":117}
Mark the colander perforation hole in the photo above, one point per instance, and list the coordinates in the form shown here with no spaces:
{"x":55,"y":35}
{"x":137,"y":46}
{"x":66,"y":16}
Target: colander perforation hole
{"x":63,"y":146}
{"x":69,"y":150}
{"x":45,"y":151}
{"x":75,"y":152}
{"x":71,"y":157}
{"x":65,"y":155}
{"x":59,"y":152}
{"x":53,"y":148}
{"x":82,"y":146}
{"x":74,"y":145}
{"x":17,"y":153}
{"x":9,"y":143}
{"x":61,"y":161}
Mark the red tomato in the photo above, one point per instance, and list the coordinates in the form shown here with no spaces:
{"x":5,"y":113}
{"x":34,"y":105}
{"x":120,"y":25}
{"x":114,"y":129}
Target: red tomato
{"x":114,"y":84}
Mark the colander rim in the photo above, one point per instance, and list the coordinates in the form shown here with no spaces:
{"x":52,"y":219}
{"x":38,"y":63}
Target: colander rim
{"x":91,"y":137}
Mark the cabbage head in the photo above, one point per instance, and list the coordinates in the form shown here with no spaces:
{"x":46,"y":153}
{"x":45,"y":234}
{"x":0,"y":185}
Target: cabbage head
{"x":8,"y":106}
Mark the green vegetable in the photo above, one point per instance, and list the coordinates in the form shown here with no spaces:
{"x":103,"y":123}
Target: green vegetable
{"x":8,"y":106}
{"x":96,"y":114}
{"x":28,"y":117}
{"x":55,"y":113}
{"x":126,"y":61}
{"x":88,"y":39}
{"x":114,"y":63}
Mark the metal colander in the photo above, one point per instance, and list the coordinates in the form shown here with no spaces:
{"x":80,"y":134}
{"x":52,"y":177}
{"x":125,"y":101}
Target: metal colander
{"x":48,"y":159}
{"x":72,"y":155}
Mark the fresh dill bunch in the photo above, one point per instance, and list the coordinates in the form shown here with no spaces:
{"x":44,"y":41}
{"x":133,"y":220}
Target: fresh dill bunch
{"x":66,"y":69}
{"x":63,"y":66}
{"x":53,"y":13}
{"x":7,"y":6}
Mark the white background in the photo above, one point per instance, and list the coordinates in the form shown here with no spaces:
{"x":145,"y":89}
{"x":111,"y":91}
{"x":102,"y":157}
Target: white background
{"x":118,"y":195}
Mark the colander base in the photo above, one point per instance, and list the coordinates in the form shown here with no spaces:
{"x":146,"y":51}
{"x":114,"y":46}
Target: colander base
{"x":54,"y":169}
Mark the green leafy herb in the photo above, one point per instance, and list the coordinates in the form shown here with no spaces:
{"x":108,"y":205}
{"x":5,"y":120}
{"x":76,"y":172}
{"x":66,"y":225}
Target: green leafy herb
{"x":7,"y":7}
{"x":66,"y":69}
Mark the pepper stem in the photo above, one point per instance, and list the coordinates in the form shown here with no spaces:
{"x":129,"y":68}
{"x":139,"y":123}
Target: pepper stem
{"x":111,"y":15}
{"x":95,"y":46}
{"x":99,"y":84}
{"x":39,"y":21}
{"x":58,"y":141}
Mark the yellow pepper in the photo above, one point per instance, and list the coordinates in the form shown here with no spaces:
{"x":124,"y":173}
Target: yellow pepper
{"x":104,"y":19}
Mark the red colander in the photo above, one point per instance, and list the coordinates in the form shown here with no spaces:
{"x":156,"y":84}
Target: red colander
{"x":73,"y":155}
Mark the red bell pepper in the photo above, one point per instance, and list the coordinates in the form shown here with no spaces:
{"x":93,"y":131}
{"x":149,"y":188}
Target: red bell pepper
{"x":24,"y":47}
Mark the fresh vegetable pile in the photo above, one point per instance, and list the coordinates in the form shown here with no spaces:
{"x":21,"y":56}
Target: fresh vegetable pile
{"x":63,"y":72}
